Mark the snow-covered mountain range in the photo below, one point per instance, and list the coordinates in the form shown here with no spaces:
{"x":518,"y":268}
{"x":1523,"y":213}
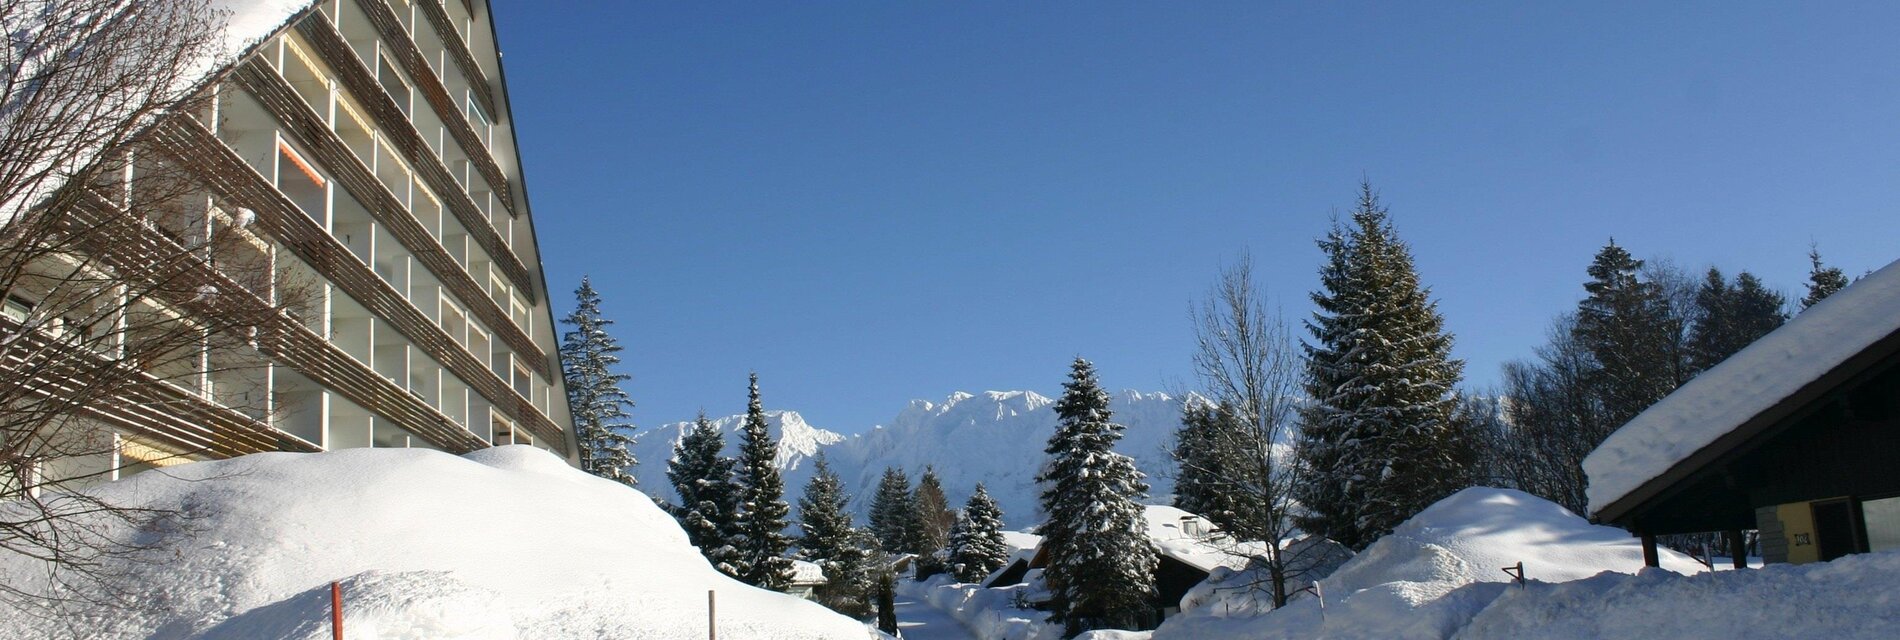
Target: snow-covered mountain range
{"x":995,"y":437}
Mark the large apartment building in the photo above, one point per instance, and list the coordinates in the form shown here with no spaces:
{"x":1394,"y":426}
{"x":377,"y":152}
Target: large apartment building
{"x":365,"y":149}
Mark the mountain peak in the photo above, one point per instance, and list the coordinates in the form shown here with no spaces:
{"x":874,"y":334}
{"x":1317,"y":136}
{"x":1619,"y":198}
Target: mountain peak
{"x":993,"y":437}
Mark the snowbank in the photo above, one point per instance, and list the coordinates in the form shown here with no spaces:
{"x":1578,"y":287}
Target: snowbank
{"x":1847,"y":599}
{"x":1748,"y":383}
{"x":501,"y":543}
{"x":1408,"y":584}
{"x":989,"y":613}
{"x":1247,"y":590}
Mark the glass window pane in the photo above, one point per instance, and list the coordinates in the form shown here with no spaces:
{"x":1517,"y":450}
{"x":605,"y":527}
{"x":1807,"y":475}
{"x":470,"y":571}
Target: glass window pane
{"x":1883,"y":523}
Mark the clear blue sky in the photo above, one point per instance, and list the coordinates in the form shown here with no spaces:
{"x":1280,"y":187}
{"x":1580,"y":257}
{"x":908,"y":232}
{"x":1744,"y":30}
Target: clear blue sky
{"x":878,"y":201}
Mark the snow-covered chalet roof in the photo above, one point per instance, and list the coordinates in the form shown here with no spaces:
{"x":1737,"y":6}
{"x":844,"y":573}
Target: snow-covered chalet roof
{"x":807,"y":573}
{"x":1754,"y":380}
{"x":1021,"y":540}
{"x":1192,"y":540}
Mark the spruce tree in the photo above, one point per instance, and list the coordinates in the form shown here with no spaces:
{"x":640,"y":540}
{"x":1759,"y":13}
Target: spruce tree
{"x":1375,"y":438}
{"x":928,"y":531}
{"x":1823,"y":280}
{"x":1627,"y":326}
{"x":762,"y":505}
{"x":598,"y":404}
{"x":1207,"y":459}
{"x":1731,"y":316}
{"x":1198,"y":471}
{"x":977,"y":547}
{"x":709,"y":500}
{"x":892,"y":511}
{"x":1100,"y":571}
{"x":831,"y":542}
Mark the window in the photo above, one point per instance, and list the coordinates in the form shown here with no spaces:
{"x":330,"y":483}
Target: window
{"x":523,"y":380}
{"x":301,"y":181}
{"x":506,"y":433}
{"x":484,"y":128}
{"x":393,"y":83}
{"x":1882,"y":518}
{"x":17,"y":308}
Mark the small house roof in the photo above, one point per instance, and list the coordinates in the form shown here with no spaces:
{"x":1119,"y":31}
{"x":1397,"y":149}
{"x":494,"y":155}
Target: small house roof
{"x":1194,"y":541}
{"x":807,"y":573}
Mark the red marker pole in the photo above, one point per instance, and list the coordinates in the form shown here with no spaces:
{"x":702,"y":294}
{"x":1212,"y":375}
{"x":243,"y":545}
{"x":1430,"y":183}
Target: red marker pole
{"x":336,"y":610}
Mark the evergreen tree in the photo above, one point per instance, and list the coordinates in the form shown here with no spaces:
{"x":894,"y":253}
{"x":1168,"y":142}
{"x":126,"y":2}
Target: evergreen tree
{"x":1627,"y":326}
{"x":831,"y":542}
{"x":1208,"y":457}
{"x":1730,"y":317}
{"x":1375,"y":439}
{"x":928,"y":531}
{"x":598,"y":404}
{"x":762,"y":505}
{"x":709,"y":500}
{"x":1823,"y":280}
{"x":1199,"y":471}
{"x":977,"y":547}
{"x":892,"y":511}
{"x":1101,"y":564}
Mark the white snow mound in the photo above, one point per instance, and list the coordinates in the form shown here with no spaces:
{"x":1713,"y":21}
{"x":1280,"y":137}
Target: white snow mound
{"x":1408,"y":583}
{"x":502,"y":543}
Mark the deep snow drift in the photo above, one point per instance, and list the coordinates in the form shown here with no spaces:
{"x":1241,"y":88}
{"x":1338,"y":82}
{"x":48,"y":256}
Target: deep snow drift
{"x":501,"y":543}
{"x":1434,"y":572}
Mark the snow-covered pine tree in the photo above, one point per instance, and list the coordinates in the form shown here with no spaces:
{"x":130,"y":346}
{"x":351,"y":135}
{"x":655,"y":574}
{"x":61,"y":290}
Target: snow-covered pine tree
{"x":599,"y":405}
{"x":831,"y":542}
{"x":1198,"y":469}
{"x":762,"y":502}
{"x":1627,"y":326}
{"x":1101,"y":563}
{"x":709,"y":500}
{"x":928,"y":531}
{"x":1823,"y":280}
{"x":977,"y":547}
{"x":1730,"y":317}
{"x":1376,"y":440}
{"x":892,"y":511}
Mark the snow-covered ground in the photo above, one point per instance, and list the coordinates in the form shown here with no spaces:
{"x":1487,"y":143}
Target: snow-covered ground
{"x":501,"y":543}
{"x":1438,"y":576}
{"x":917,"y":620}
{"x":1410,"y":584}
{"x":988,"y":614}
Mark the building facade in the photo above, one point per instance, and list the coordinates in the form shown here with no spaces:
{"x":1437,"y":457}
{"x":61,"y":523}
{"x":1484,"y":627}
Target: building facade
{"x":365,"y":153}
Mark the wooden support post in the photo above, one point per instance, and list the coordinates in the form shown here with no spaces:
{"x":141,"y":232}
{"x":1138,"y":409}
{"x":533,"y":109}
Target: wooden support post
{"x":712,"y":619}
{"x":336,"y":610}
{"x":1650,"y":559}
{"x":1737,"y":548}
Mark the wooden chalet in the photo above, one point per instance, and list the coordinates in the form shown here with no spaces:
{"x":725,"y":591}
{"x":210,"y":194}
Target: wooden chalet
{"x":1796,"y":436}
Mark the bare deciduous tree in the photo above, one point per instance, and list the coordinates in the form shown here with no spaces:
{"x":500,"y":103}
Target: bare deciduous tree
{"x":131,"y":295}
{"x":1246,"y":359}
